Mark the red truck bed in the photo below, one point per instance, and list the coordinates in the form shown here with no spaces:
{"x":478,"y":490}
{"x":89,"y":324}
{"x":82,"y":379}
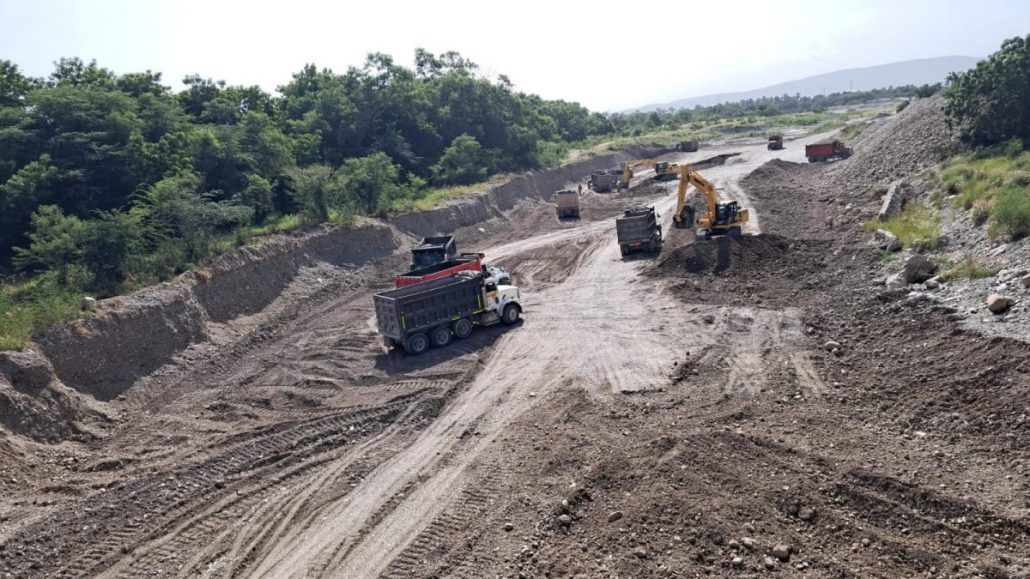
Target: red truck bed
{"x":467,"y":262}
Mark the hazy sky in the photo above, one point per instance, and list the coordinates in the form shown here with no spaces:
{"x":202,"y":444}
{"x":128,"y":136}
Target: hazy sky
{"x":606,"y":55}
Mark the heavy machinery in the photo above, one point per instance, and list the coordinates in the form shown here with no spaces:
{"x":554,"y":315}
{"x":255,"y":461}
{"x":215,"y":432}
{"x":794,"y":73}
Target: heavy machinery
{"x":428,"y":314}
{"x":826,"y":151}
{"x":433,"y":250}
{"x":716,"y":218}
{"x":567,"y":203}
{"x":687,"y":146}
{"x":465,"y":262}
{"x":663,"y":171}
{"x":604,"y":182}
{"x":775,"y":143}
{"x":639,"y":230}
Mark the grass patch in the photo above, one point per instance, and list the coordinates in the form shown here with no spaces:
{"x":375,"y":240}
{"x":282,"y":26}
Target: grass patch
{"x":852,"y":131}
{"x":31,"y":306}
{"x":968,"y":268}
{"x":432,"y":198}
{"x":993,"y":186}
{"x":917,"y":226}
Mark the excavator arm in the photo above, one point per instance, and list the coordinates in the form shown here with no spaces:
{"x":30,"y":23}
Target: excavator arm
{"x":627,"y":169}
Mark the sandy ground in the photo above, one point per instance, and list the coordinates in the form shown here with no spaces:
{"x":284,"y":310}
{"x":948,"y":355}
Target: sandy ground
{"x":655,"y":416}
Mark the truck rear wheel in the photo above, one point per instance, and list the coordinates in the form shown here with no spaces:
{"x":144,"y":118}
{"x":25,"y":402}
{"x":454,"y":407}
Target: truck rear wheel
{"x":462,"y":328}
{"x":440,"y":336}
{"x":416,"y":344}
{"x":510,"y":315}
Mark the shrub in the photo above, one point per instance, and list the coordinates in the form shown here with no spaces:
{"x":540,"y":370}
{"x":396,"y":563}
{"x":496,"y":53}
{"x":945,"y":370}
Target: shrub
{"x":991,"y":103}
{"x":1012,"y":212}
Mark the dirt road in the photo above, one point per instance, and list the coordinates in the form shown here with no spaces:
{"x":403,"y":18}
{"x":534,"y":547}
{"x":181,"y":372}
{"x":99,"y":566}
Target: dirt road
{"x":646,"y":417}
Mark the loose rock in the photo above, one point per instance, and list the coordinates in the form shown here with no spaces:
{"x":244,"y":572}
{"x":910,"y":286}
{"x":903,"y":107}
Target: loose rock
{"x":998,"y":303}
{"x":614,"y":516}
{"x":782,"y":552}
{"x":918,"y":269}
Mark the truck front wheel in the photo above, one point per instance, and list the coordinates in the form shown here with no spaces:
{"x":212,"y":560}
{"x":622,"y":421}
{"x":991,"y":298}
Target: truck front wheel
{"x":510,"y":315}
{"x":462,"y":328}
{"x":416,"y":343}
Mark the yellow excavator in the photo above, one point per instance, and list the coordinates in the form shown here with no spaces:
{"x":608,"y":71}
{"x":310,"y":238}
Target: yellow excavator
{"x":663,"y":171}
{"x":717,"y":218}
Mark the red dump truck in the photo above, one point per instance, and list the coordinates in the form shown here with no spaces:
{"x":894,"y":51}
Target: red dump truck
{"x":826,"y":151}
{"x":472,"y":262}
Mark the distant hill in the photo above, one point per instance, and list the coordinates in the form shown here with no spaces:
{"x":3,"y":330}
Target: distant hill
{"x":917,"y":72}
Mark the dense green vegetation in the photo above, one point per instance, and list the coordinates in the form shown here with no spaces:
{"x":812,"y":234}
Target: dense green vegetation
{"x":990,"y":104}
{"x":994,"y":186}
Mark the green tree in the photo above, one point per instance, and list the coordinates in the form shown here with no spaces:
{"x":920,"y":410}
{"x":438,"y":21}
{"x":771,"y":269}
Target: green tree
{"x":258,"y":196}
{"x":991,"y":103}
{"x":461,"y":163}
{"x":366,"y":181}
{"x":13,"y":85}
{"x":313,"y":188}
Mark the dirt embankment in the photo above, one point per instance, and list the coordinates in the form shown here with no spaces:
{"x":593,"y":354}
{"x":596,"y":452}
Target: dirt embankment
{"x":131,"y":336}
{"x":539,"y":185}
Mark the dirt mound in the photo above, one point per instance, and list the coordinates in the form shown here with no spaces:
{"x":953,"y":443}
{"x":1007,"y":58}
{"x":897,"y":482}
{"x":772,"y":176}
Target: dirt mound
{"x":913,"y":140}
{"x":34,"y":404}
{"x":749,"y":270}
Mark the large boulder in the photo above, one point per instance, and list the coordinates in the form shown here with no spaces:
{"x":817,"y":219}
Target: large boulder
{"x":898,"y":193}
{"x":998,"y":304}
{"x":918,"y":269}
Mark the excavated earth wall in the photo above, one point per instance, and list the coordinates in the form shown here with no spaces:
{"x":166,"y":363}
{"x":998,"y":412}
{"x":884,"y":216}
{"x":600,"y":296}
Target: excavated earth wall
{"x":493,"y":203}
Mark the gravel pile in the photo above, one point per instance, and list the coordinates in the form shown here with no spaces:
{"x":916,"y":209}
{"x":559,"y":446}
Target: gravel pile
{"x":900,"y":147}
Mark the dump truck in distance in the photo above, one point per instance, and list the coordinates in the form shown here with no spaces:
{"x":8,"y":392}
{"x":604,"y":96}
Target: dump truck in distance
{"x":603,"y":182}
{"x":826,"y":151}
{"x":432,"y":313}
{"x":433,"y":250}
{"x":775,"y":143}
{"x":687,"y":146}
{"x":567,"y":204}
{"x":639,"y":230}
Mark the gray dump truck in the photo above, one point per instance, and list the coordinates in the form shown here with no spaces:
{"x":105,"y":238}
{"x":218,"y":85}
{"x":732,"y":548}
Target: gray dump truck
{"x":639,"y":230}
{"x":604,"y":182}
{"x":567,"y":204}
{"x":432,"y":251}
{"x":433,"y":312}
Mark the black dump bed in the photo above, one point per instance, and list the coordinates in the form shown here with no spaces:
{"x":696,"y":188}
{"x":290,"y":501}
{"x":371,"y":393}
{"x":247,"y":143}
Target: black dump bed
{"x":433,"y":250}
{"x":636,"y":225}
{"x":403,"y":311}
